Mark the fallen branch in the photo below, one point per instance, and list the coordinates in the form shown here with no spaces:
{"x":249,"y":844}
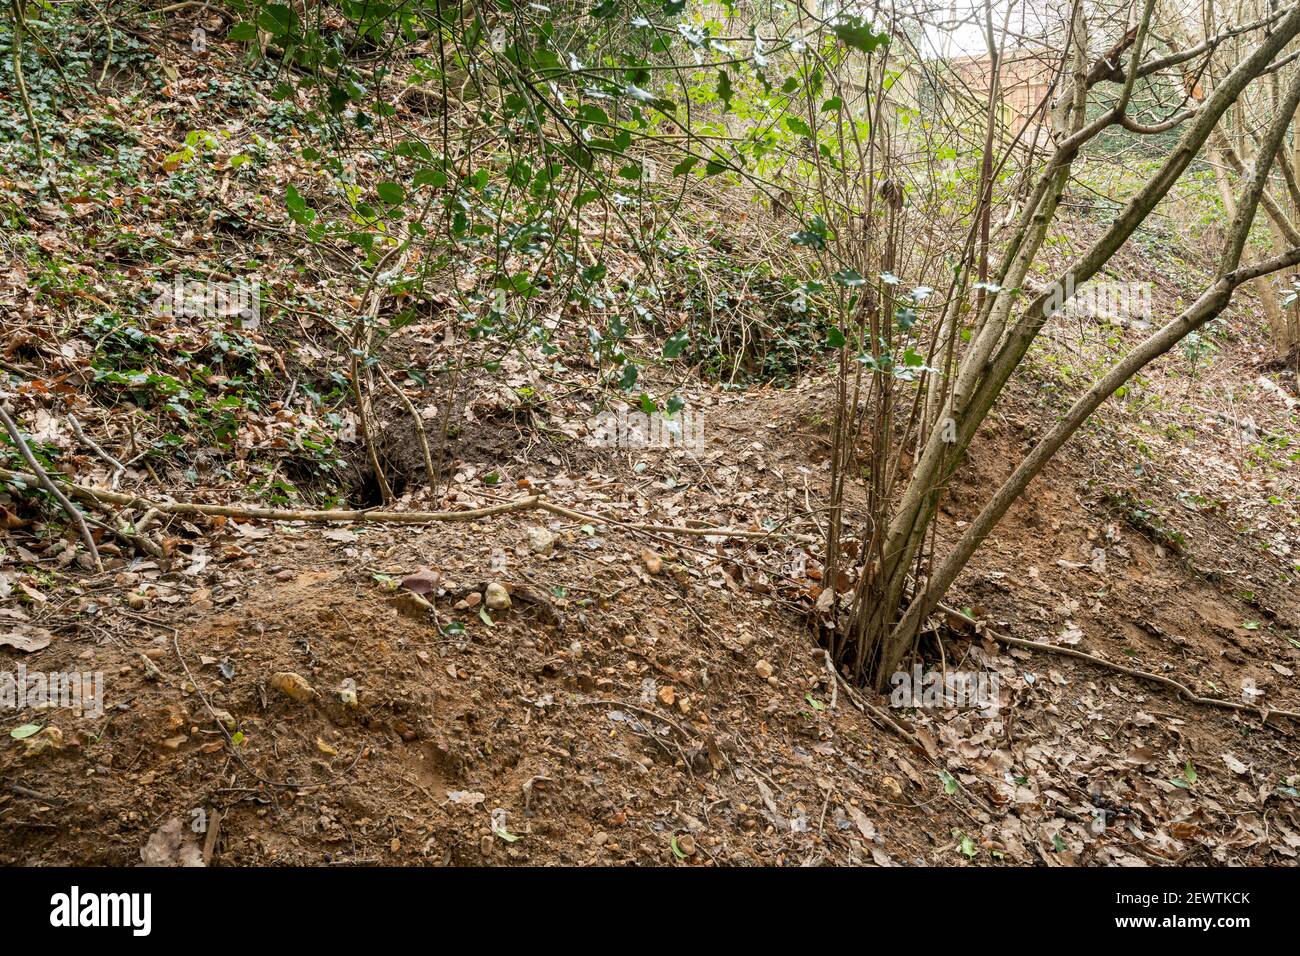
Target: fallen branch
{"x":651,"y":528}
{"x":253,"y":513}
{"x":340,"y":516}
{"x":39,"y":477}
{"x":98,"y":449}
{"x":1169,"y":682}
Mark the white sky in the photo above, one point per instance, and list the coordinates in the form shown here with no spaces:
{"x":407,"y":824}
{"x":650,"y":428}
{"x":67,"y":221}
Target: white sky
{"x":959,"y":29}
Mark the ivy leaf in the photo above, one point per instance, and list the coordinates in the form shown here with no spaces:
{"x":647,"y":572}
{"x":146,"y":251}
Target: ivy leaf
{"x":297,"y":207}
{"x":854,"y":33}
{"x":813,"y":235}
{"x":676,"y":344}
{"x":391,"y":193}
{"x":628,"y":379}
{"x":835,"y":338}
{"x":431,"y":177}
{"x":914,"y":359}
{"x":797,"y":126}
{"x":849,"y":278}
{"x":724,"y":90}
{"x":277,"y":19}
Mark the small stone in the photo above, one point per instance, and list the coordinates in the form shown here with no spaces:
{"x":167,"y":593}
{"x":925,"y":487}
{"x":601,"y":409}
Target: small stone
{"x":294,"y":686}
{"x":473,"y":599}
{"x":348,"y":692}
{"x":686,"y":843}
{"x":601,"y":838}
{"x":653,"y":563}
{"x":136,"y":601}
{"x":764,"y":669}
{"x":285,"y":575}
{"x":540,"y":541}
{"x":424,"y":581}
{"x":409,"y":604}
{"x":892,"y":787}
{"x":667,"y":695}
{"x":629,"y":640}
{"x":49,"y":738}
{"x":497,"y":597}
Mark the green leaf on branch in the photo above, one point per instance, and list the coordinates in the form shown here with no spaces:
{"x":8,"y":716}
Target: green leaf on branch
{"x":676,"y":344}
{"x":813,"y":235}
{"x":724,"y":89}
{"x":391,"y":193}
{"x":856,"y":34}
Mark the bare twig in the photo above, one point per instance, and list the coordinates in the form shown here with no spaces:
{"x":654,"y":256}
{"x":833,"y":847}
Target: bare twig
{"x":94,"y":446}
{"x":44,"y":480}
{"x":417,"y":421}
{"x":20,"y":27}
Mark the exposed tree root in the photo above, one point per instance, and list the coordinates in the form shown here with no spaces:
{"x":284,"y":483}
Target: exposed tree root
{"x":1184,"y":691}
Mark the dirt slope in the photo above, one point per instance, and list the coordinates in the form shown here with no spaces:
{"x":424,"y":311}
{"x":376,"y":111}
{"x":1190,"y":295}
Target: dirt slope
{"x":618,"y":716}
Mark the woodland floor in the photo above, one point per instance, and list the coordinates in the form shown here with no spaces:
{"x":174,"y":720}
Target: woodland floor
{"x":614,"y":715}
{"x":554,"y":715}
